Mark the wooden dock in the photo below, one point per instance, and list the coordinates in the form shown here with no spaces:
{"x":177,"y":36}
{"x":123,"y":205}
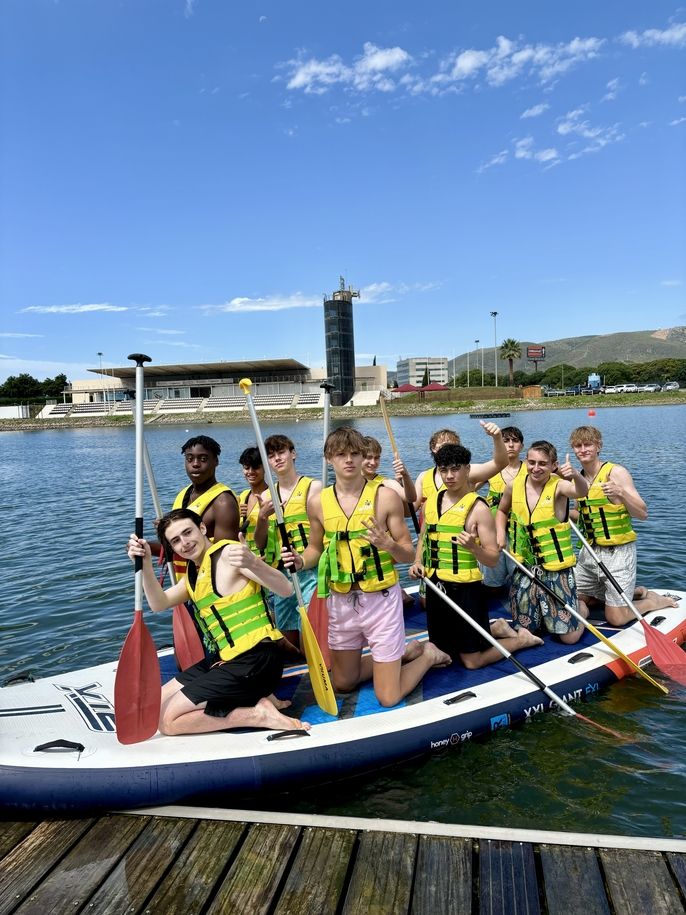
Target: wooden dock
{"x":190,"y":860}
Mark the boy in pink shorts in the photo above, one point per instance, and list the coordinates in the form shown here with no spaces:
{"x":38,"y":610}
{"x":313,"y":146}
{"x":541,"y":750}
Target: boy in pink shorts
{"x":357,"y":534}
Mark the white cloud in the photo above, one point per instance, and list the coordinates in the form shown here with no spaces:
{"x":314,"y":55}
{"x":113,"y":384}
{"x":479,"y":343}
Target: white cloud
{"x":268,"y":303}
{"x":182,"y":343}
{"x":612,"y":90}
{"x":71,"y":309}
{"x":535,"y":111}
{"x":498,"y":159}
{"x":40,"y":368}
{"x":573,"y":125}
{"x":682,"y":98}
{"x":162,"y":330}
{"x":189,"y":8}
{"x":18,"y":336}
{"x":368,"y":72}
{"x":671,"y":283}
{"x":673,"y":37}
{"x":525,"y":149}
{"x":677,"y":121}
{"x":384,"y":292}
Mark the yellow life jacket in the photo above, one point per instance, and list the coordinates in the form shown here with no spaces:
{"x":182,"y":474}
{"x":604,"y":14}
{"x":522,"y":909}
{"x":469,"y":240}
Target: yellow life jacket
{"x":429,"y":487}
{"x":442,"y":553}
{"x":538,"y":537}
{"x":232,"y":624}
{"x":349,"y":559}
{"x":604,"y":523}
{"x":199,"y":506}
{"x":251,"y":519}
{"x":497,"y":486}
{"x":296,"y":520}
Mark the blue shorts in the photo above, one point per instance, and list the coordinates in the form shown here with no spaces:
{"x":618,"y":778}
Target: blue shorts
{"x":286,"y":610}
{"x":501,"y":574}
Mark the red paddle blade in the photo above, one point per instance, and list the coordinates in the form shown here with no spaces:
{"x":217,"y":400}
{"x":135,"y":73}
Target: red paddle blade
{"x":187,"y":645}
{"x":318,"y":615}
{"x":666,"y":654}
{"x":137,"y":685}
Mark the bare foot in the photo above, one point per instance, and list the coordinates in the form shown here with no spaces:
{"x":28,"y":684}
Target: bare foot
{"x":501,"y":629}
{"x":279,"y":703}
{"x":266,"y":716}
{"x":660,"y":601}
{"x":527,"y":639}
{"x":437,"y":657}
{"x":412,"y":650}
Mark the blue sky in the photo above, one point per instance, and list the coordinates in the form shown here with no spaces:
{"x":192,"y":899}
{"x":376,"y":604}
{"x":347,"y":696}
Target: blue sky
{"x":187,"y":178}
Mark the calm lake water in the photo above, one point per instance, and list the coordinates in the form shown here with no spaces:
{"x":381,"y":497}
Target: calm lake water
{"x":67,"y":510}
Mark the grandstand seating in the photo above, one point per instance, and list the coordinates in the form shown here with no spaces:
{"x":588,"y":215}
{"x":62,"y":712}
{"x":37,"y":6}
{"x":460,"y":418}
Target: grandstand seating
{"x":60,"y":410}
{"x":310,"y":399}
{"x":127,"y":406}
{"x":237,"y":402}
{"x":273,"y":401}
{"x":91,"y":409}
{"x":182,"y":405}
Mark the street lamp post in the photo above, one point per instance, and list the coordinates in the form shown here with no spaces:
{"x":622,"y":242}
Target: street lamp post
{"x":494,"y":315}
{"x":482,"y":361}
{"x":101,"y":379}
{"x":467,"y":368}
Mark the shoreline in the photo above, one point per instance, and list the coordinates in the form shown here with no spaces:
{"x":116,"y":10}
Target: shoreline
{"x":395,"y":408}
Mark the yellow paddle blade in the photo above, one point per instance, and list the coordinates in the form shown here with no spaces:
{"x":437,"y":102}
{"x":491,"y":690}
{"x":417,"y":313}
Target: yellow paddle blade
{"x":319,"y":675}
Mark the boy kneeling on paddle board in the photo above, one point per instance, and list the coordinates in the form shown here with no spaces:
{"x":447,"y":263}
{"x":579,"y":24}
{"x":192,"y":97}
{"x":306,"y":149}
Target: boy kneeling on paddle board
{"x":224,"y":580}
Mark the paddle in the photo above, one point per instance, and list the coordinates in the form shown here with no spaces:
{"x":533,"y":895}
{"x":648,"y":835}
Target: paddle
{"x":596,"y":632}
{"x":187,"y":644}
{"x":137,"y":684}
{"x":396,"y":455}
{"x":318,"y":611}
{"x":567,"y":709}
{"x":319,"y":677}
{"x":666,"y":654}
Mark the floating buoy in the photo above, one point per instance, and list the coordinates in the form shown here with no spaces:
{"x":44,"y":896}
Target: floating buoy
{"x":591,"y":412}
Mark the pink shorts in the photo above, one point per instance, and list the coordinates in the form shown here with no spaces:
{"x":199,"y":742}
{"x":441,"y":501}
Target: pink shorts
{"x":373,"y":618}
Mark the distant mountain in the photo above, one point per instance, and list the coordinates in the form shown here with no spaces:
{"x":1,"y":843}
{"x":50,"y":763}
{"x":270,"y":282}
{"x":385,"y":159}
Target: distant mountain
{"x":635,"y":346}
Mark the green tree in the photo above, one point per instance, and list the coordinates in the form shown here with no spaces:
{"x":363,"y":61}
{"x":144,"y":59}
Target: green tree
{"x":425,"y":379}
{"x":510,"y":350}
{"x":21,"y":387}
{"x":53,"y":387}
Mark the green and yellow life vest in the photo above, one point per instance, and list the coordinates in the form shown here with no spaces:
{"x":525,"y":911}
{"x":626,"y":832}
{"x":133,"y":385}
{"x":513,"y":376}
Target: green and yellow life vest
{"x":604,"y":523}
{"x":497,"y":486}
{"x":251,"y":518}
{"x":429,"y":487}
{"x":232,"y":624}
{"x":442,"y":553}
{"x":296,"y":520}
{"x":199,"y":505}
{"x":538,"y":536}
{"x":348,"y":558}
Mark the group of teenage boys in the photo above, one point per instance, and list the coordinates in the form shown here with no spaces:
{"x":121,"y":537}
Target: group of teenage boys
{"x":346,"y":540}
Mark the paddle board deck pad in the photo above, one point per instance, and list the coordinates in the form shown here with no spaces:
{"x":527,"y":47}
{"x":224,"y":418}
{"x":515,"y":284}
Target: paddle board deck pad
{"x":59,"y":749}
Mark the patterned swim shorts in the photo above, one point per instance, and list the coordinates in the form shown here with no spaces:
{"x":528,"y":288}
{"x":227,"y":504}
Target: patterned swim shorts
{"x":531,"y":607}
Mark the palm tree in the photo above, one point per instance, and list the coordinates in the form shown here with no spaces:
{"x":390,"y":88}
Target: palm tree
{"x":510,"y":349}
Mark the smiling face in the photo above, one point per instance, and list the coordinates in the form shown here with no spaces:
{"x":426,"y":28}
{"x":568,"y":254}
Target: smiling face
{"x":187,"y":539}
{"x":370,"y":465}
{"x":201,"y":465}
{"x":539,"y":465}
{"x":253,"y":475}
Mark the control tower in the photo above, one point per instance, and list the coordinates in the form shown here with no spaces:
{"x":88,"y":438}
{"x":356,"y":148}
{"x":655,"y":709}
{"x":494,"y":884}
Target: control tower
{"x":339,"y":338}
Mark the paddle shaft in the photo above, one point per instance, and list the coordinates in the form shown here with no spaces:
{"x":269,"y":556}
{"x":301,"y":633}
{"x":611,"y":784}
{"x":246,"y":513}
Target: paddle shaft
{"x":152,"y":486}
{"x":138,"y":522}
{"x":501,"y":648}
{"x":328,"y":388}
{"x":396,"y":455}
{"x":596,"y":632}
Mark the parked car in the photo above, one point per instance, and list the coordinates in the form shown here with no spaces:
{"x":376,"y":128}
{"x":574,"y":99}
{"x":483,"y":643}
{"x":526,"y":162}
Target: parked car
{"x":650,"y":388}
{"x":627,"y":388}
{"x":671,"y":386}
{"x":609,"y":389}
{"x":554,"y":392}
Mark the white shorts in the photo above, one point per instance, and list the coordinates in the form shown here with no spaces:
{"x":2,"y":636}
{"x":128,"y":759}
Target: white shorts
{"x":620,"y":560}
{"x":373,"y":618}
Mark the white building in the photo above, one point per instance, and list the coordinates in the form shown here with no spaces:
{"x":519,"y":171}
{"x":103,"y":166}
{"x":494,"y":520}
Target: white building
{"x":413,"y":369}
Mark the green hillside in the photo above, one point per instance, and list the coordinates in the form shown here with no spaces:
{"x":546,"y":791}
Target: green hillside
{"x":636,"y":346}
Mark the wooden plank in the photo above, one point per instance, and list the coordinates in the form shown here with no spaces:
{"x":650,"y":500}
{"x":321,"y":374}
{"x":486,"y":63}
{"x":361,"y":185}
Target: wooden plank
{"x":507,"y":879}
{"x":316,"y":879}
{"x":12,"y":834}
{"x":639,"y":882}
{"x":79,"y":874}
{"x":573,"y":881}
{"x":255,"y":875}
{"x":25,"y":866}
{"x":381,"y":881}
{"x":189,"y":884}
{"x":443,"y":877}
{"x":678,"y":865}
{"x":141,"y":868}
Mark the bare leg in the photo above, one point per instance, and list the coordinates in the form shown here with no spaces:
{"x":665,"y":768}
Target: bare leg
{"x":278,"y":703}
{"x":394,"y":680}
{"x":521,"y":639}
{"x":348,"y":668}
{"x":181,"y":716}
